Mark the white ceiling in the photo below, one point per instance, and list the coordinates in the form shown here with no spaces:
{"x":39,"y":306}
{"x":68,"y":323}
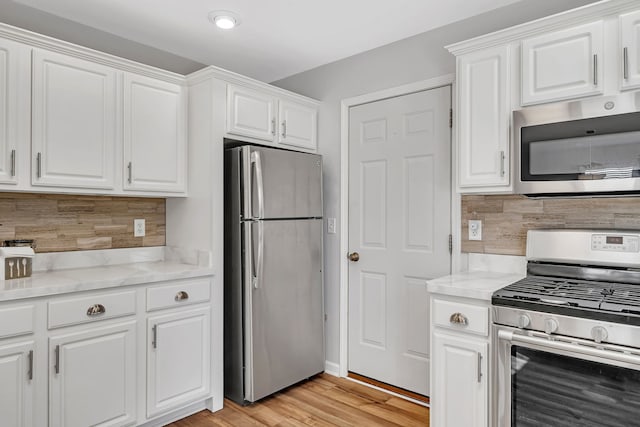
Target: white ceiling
{"x":276,"y":38}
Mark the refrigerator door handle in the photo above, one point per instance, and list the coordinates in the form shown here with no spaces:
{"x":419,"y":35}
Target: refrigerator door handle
{"x":260,"y":258}
{"x":256,"y":162}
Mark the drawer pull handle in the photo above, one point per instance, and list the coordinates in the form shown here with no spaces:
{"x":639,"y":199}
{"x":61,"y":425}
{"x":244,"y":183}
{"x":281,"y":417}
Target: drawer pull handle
{"x":182,"y":295}
{"x":459,"y":319}
{"x":96,"y":309}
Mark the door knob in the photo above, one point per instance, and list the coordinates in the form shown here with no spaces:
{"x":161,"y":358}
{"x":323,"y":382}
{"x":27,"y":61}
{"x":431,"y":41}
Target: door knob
{"x":354,"y":256}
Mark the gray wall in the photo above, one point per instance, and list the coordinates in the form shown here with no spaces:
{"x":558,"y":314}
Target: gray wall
{"x":414,"y":59}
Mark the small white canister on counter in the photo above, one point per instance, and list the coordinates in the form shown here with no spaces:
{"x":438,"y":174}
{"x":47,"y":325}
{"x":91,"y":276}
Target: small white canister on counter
{"x":15,"y":262}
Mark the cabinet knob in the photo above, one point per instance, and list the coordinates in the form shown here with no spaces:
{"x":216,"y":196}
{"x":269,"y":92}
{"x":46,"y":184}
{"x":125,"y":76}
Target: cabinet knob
{"x":459,"y":319}
{"x":96,"y":309}
{"x":182,"y":295}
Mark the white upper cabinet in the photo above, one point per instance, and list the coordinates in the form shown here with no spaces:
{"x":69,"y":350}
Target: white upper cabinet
{"x":563,"y":64}
{"x":483,"y":120}
{"x":155,"y":140}
{"x":298,"y":125}
{"x":74,"y":125}
{"x":14,"y":72}
{"x":251,"y":113}
{"x":630,"y":38}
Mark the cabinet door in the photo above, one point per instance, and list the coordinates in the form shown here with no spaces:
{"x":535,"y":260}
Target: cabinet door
{"x":178,"y":359}
{"x":13,"y":96}
{"x":250,"y":113}
{"x":92,"y":379}
{"x":483,"y":119}
{"x":74,"y":122}
{"x":459,"y":381}
{"x":630,"y":38}
{"x":16,"y":384}
{"x":154,"y":135}
{"x":563,"y":64}
{"x":298,"y":125}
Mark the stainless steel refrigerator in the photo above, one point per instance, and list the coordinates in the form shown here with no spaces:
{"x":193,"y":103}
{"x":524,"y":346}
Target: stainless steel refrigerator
{"x":273,"y":302}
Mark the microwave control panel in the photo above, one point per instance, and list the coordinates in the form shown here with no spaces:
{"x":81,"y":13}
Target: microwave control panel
{"x":615,"y":243}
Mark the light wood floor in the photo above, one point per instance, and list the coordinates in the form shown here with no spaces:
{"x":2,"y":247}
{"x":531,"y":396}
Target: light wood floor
{"x":323,"y":401}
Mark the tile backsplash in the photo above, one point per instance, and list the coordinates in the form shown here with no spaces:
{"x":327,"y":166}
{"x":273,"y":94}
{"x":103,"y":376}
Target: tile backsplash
{"x":72,"y":223}
{"x":506,"y":218}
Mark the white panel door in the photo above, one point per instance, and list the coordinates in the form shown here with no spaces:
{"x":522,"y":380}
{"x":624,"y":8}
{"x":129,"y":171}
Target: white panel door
{"x":178,"y":359}
{"x":13,"y":94}
{"x":399,"y":223}
{"x":298,"y":125}
{"x":16,"y":384}
{"x":460,"y":384}
{"x":563,"y":64}
{"x":630,"y":38}
{"x":74,"y":122}
{"x":483,"y":119}
{"x":92,"y":380}
{"x":155,"y":139}
{"x":251,"y":113}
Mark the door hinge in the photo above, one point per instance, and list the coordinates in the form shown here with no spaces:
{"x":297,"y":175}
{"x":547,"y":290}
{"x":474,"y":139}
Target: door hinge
{"x":450,"y":244}
{"x":451,"y":118}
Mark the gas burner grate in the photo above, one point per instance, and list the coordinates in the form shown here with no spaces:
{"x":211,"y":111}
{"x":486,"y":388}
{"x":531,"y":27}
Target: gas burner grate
{"x":554,"y":288}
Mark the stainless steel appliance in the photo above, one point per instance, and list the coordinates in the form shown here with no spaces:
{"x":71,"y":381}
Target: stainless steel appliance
{"x":589,"y":146}
{"x":567,"y":336}
{"x":273,"y":304}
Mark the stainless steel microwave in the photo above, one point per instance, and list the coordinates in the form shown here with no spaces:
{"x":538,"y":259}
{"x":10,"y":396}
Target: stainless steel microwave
{"x":579,"y":148}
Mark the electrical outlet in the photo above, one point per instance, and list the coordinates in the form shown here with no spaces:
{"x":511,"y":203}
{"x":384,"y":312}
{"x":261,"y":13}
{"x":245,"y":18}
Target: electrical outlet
{"x":138,"y":228}
{"x":331,"y":225}
{"x":475,"y":229}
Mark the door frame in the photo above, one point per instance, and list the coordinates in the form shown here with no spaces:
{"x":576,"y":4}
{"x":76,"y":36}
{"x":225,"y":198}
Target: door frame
{"x":346,"y":104}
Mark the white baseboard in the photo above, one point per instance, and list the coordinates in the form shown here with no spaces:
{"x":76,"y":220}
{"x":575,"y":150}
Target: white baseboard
{"x":331,"y":368}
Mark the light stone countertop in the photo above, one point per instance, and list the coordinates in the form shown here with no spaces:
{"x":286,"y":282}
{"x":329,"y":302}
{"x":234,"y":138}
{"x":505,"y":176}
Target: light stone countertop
{"x":56,"y":282}
{"x":478,"y":285}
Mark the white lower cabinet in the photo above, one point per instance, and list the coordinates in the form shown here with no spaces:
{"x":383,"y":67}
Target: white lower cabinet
{"x":92,"y":379}
{"x":460,"y":384}
{"x":16,"y":384}
{"x":460,"y":368}
{"x":177,"y":359}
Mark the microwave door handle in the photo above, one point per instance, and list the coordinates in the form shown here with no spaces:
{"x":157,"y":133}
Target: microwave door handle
{"x":600,"y":352}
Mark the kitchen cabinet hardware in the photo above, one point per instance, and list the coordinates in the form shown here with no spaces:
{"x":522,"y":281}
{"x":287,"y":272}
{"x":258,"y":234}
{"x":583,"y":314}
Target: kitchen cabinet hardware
{"x":459,"y":319}
{"x":501,"y":163}
{"x":13,"y":162}
{"x":96,"y":310}
{"x":39,"y":165}
{"x":284,"y":129}
{"x":182,"y":295}
{"x":129,"y":171}
{"x":595,"y":70}
{"x":30,"y":369}
{"x":479,"y":367}
{"x":273,"y":127}
{"x":56,"y":366}
{"x":154,"y":340}
{"x":625,"y":63}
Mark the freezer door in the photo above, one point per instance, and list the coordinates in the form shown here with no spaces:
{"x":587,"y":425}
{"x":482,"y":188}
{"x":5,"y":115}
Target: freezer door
{"x":286,"y":339}
{"x":281,"y":184}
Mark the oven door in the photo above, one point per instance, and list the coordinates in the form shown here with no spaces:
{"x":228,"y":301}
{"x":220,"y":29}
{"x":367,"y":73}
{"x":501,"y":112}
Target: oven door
{"x":562,"y":381}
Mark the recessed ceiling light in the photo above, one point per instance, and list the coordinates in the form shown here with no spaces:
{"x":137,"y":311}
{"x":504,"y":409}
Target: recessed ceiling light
{"x":224,"y":19}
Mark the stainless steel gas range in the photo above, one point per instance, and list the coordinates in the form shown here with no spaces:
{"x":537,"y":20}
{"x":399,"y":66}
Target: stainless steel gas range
{"x":567,"y":337}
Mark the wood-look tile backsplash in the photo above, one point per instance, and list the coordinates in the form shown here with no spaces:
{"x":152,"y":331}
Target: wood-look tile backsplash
{"x":506,"y":218}
{"x":73,"y":223}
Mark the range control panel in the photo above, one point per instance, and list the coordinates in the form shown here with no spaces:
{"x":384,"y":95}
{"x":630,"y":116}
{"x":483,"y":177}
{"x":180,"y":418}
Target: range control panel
{"x":615,"y":243}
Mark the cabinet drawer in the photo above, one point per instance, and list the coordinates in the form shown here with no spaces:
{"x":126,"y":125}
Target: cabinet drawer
{"x":462,"y":317}
{"x":178,"y":294}
{"x":75,"y":310}
{"x":16,"y":321}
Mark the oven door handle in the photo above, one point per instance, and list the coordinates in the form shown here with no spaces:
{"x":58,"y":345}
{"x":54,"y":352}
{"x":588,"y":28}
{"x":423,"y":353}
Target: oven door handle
{"x":574,"y":348}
